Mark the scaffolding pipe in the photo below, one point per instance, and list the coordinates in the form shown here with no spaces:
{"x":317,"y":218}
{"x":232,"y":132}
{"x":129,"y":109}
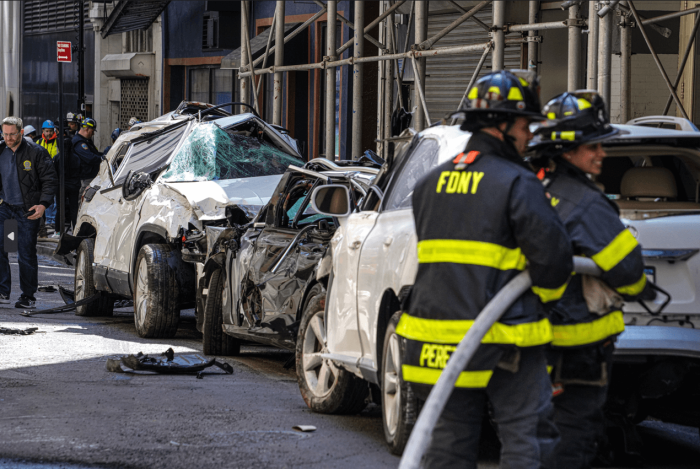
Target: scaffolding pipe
{"x":475,"y":75}
{"x":605,"y":58}
{"x":292,"y":35}
{"x":389,"y":85}
{"x":243,"y":84}
{"x":421,"y":34}
{"x":455,"y":50}
{"x":668,"y":16}
{"x":332,"y":6}
{"x":371,"y":26}
{"x":357,"y":79}
{"x":607,"y":8}
{"x":681,"y":69}
{"x":352,"y":26}
{"x":428,"y":43}
{"x":536,"y":26}
{"x":267,"y":50}
{"x":440,"y":393}
{"x":279,"y":61}
{"x":592,"y":62}
{"x":625,"y":68}
{"x":499,"y":35}
{"x":248,"y":53}
{"x":665,"y":32}
{"x":457,"y":6}
{"x":633,"y":9}
{"x":381,"y":82}
{"x":408,"y":36}
{"x":419,"y":87}
{"x":533,"y":9}
{"x":574,"y":65}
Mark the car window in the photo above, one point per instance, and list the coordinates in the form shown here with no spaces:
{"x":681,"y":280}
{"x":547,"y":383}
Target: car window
{"x":118,"y":158}
{"x":293,"y":201}
{"x":210,"y":153}
{"x":150,"y":155}
{"x":417,"y":163}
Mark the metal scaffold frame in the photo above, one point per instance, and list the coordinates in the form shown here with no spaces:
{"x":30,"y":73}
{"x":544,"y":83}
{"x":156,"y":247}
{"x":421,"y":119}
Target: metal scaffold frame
{"x":600,"y":25}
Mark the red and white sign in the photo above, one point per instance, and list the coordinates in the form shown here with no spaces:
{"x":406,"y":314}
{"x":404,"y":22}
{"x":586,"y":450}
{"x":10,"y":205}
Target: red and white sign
{"x":63,"y":49}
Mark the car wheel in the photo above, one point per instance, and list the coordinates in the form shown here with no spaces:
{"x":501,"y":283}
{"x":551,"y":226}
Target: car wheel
{"x":215,"y":340}
{"x":84,"y":285}
{"x":326,"y":388}
{"x":399,"y":404}
{"x":156,"y":293}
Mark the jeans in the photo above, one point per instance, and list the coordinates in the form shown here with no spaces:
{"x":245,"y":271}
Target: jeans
{"x":51,"y":213}
{"x":522,"y":412}
{"x":26,"y":252}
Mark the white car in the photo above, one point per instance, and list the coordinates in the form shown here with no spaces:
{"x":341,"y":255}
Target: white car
{"x":654,"y":175}
{"x":141,"y":229}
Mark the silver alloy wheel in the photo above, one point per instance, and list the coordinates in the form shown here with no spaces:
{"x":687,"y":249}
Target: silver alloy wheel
{"x":320,"y":374}
{"x":391,"y":404}
{"x":142,"y":293}
{"x":80,"y":276}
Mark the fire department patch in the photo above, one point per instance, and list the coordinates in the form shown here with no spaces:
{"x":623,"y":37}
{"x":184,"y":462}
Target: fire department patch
{"x":84,"y":145}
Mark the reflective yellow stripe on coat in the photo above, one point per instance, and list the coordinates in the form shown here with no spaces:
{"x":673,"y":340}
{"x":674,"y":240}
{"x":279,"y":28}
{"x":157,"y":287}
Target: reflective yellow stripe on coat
{"x":466,"y":379}
{"x":458,"y":251}
{"x":452,"y":331}
{"x":634,"y":289}
{"x":618,"y":249}
{"x":572,"y":335}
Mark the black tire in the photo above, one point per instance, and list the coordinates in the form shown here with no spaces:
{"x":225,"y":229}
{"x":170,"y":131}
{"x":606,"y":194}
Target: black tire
{"x":84,"y":283}
{"x":400,"y":406}
{"x":215,"y":340}
{"x":156,"y":292}
{"x":339,"y":391}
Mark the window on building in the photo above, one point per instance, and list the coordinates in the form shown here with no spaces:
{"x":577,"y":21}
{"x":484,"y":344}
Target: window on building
{"x":210,"y":30}
{"x":41,"y":16}
{"x":211,"y":85}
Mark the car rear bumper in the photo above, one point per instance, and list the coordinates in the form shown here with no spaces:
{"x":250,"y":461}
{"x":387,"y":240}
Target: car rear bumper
{"x":659,"y":340}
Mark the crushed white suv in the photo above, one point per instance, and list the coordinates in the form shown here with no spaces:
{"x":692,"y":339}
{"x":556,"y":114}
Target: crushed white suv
{"x":654,"y":176}
{"x":141,"y":229}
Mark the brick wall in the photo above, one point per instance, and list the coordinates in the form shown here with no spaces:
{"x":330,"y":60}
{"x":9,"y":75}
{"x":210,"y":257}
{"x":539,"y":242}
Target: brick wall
{"x":649,"y":91}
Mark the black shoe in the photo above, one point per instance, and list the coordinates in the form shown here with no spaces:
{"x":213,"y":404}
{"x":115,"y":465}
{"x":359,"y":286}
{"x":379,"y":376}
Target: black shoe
{"x":26,"y":302}
{"x":4,"y":299}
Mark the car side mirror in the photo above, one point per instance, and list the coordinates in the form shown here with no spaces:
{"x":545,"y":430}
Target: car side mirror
{"x":332,"y":200}
{"x":134,"y":185}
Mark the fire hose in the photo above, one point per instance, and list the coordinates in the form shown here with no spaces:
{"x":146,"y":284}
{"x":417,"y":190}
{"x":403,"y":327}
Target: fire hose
{"x":434,"y":405}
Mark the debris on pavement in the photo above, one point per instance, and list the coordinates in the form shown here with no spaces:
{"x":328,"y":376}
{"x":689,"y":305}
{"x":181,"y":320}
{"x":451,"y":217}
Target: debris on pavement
{"x":123,"y":304}
{"x":304,"y":428}
{"x":170,"y":364}
{"x":68,"y":297}
{"x":12,"y":331}
{"x":47,"y":288}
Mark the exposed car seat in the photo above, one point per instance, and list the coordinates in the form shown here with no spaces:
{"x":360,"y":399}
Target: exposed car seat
{"x":651,"y":188}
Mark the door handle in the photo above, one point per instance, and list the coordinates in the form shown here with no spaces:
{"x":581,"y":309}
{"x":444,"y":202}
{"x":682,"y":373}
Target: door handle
{"x":355,"y":245}
{"x":388,"y":240}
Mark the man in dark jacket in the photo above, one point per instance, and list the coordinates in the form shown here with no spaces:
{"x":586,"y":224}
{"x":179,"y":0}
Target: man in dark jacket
{"x":481,"y":219}
{"x":28,"y":183}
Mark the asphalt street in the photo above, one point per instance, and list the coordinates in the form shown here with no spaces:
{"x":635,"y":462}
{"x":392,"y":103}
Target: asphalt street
{"x":59,"y":407}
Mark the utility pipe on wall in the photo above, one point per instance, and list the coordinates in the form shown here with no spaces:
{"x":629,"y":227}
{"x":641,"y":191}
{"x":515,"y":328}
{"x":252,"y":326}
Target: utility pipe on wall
{"x":357,"y":78}
{"x":421,"y":28}
{"x":533,"y":9}
{"x":279,"y":61}
{"x":605,"y":57}
{"x":592,"y":62}
{"x":499,"y":35}
{"x":330,"y":80}
{"x":625,"y":68}
{"x":574,"y":65}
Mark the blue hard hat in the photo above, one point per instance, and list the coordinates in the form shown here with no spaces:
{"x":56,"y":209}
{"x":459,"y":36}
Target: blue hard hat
{"x":47,"y":125}
{"x":115,"y":134}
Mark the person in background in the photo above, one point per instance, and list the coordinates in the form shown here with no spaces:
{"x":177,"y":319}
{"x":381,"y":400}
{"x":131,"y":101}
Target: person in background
{"x":133,"y":121}
{"x":30,"y":134}
{"x":27,"y":185}
{"x":48,"y":140}
{"x":73,"y":124}
{"x":84,"y":148}
{"x":115,"y":136}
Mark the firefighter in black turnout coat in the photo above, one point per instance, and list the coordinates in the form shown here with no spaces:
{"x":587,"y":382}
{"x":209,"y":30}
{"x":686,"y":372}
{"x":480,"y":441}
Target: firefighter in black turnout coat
{"x":481,"y":219}
{"x":587,"y":319}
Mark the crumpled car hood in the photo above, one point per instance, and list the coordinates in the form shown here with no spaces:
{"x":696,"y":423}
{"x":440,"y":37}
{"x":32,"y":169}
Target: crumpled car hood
{"x":210,"y":198}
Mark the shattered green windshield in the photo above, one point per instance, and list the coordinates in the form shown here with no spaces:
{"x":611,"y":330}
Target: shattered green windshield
{"x":210,"y":153}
